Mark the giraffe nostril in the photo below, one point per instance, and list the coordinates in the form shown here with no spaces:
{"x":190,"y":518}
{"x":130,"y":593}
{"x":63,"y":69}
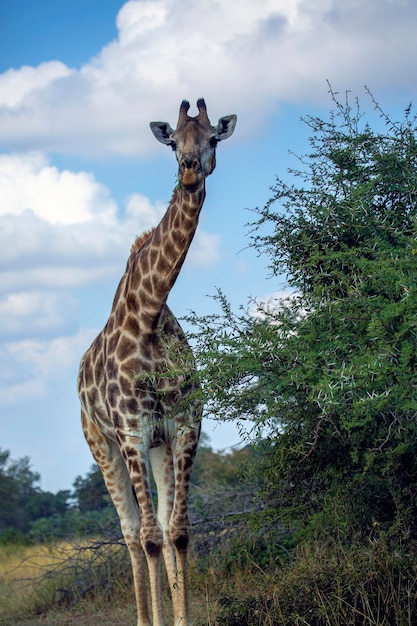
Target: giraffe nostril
{"x":190,"y":164}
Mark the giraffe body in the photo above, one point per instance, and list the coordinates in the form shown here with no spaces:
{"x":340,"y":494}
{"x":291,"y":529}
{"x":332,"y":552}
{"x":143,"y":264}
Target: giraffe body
{"x":135,"y":385}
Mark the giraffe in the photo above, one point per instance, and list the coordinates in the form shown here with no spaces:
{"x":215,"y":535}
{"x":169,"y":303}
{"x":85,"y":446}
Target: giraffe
{"x":139,"y":409}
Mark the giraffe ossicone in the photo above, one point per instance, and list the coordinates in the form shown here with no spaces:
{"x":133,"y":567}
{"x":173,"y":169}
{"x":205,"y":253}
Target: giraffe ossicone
{"x":138,"y":406}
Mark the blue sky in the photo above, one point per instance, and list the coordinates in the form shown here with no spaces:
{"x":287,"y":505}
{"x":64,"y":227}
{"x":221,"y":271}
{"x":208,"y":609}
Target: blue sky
{"x":81,"y":174}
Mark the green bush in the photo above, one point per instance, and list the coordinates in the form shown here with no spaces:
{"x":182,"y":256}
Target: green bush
{"x":326,"y":378}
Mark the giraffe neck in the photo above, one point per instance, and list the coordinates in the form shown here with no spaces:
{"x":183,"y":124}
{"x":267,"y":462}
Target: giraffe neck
{"x":153,"y":268}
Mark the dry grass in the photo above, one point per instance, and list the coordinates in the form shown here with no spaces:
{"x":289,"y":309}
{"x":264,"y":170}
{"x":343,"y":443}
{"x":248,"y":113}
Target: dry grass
{"x":89,"y":616}
{"x":19,"y":563}
{"x":37,"y":579}
{"x":19,"y":568}
{"x":68,"y":584}
{"x":322,"y":584}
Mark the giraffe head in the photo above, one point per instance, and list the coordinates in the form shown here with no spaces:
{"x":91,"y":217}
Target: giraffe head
{"x":194,"y":141}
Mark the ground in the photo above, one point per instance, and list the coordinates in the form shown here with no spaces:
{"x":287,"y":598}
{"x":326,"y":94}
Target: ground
{"x":109,"y":617}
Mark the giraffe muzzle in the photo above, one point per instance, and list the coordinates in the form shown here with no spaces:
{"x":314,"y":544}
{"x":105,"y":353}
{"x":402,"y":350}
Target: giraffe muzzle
{"x":190,"y":173}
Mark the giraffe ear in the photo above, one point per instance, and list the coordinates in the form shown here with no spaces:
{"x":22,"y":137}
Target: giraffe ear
{"x":225,"y":127}
{"x":162,"y":131}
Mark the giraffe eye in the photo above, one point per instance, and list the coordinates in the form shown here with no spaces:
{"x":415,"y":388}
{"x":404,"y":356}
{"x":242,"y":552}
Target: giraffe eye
{"x":213,"y":141}
{"x":173,"y":144}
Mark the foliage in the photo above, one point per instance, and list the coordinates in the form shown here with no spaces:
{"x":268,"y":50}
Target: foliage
{"x":326,"y":378}
{"x":324,"y":584}
{"x":21,"y":499}
{"x":29,"y":514}
{"x":220,"y":468}
{"x":90,"y":492}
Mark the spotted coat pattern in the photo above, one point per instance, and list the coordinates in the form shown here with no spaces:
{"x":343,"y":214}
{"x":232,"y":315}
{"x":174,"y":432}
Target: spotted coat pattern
{"x":138,"y":398}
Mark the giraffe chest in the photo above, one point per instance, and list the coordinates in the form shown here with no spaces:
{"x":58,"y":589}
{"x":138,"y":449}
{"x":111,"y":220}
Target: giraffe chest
{"x":128,"y":381}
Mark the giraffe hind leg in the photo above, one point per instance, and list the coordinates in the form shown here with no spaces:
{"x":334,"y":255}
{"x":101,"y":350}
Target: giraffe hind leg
{"x":116,"y":477}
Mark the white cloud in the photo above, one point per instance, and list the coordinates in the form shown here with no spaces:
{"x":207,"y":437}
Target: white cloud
{"x":60,"y":229}
{"x":273,"y":302}
{"x":37,"y":313}
{"x":16,"y":86}
{"x":245,"y":56}
{"x":205,"y":250}
{"x":28,"y":182}
{"x":30,"y":366}
{"x":140,"y":210}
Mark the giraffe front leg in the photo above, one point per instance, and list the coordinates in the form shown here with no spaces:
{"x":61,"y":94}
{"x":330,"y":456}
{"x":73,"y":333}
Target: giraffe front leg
{"x":151,"y":535}
{"x":185,"y":448}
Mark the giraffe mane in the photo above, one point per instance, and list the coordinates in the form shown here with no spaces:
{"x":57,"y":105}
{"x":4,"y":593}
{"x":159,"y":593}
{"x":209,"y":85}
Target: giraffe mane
{"x":141,"y":240}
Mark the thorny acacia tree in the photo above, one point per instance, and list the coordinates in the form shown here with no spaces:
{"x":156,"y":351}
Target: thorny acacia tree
{"x":328,"y":376}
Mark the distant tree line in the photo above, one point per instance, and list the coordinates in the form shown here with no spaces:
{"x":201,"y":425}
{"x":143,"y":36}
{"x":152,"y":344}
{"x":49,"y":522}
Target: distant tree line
{"x":27,"y":513}
{"x":22,"y":502}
